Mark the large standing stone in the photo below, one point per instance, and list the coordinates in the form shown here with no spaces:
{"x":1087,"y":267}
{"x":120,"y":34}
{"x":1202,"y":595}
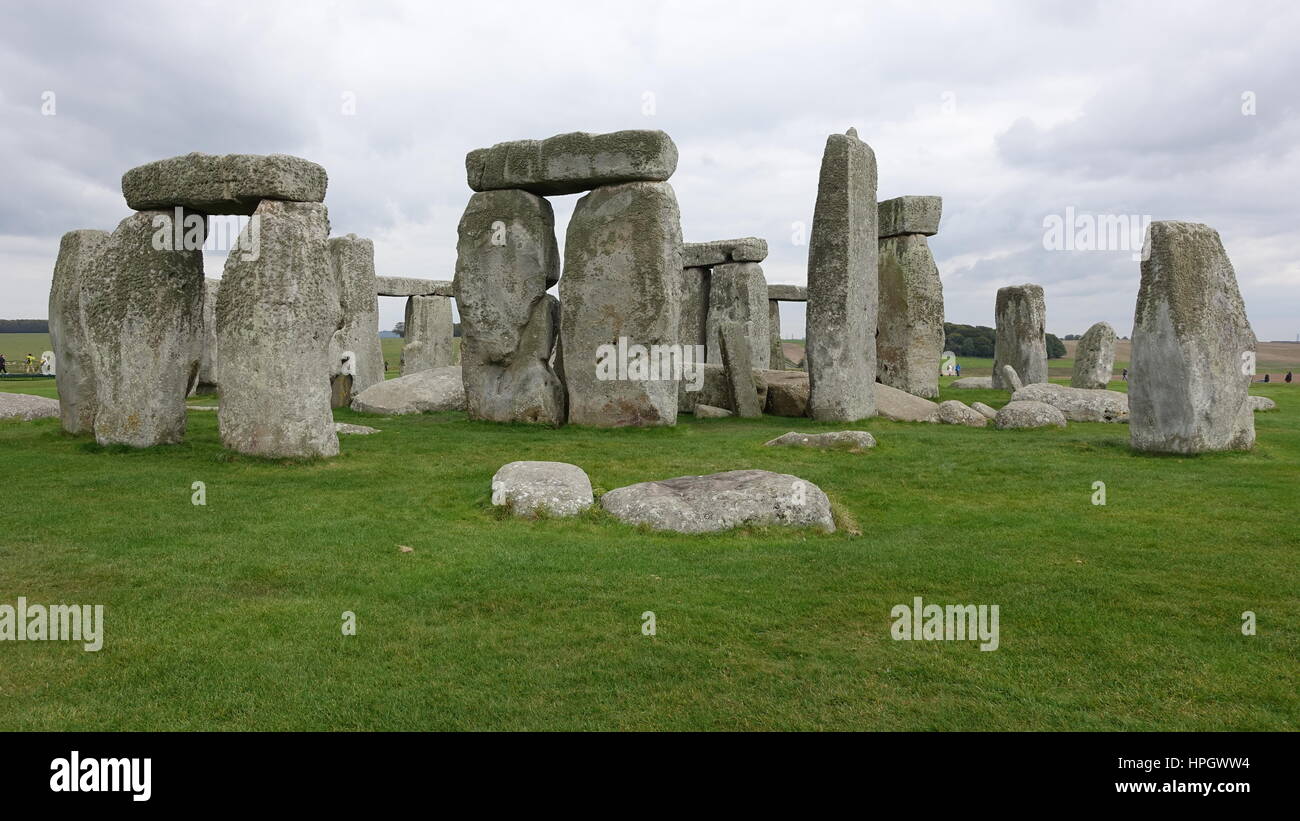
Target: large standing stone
{"x":1021,"y":336}
{"x":428,"y":328}
{"x":622,"y":279}
{"x":737,"y":363}
{"x":574,"y":162}
{"x":276,"y":318}
{"x":143,"y":309}
{"x":223,"y":183}
{"x":352,"y":260}
{"x":738,"y":293}
{"x":506,"y":257}
{"x":1192,"y":347}
{"x":207,"y":380}
{"x":910,"y":334}
{"x":75,"y":375}
{"x":843,"y":283}
{"x":703,"y":504}
{"x":693,"y":328}
{"x":776,"y":350}
{"x":1094,"y":357}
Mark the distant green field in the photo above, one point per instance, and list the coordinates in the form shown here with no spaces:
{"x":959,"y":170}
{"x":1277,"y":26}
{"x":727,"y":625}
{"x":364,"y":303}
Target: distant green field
{"x":16,"y":346}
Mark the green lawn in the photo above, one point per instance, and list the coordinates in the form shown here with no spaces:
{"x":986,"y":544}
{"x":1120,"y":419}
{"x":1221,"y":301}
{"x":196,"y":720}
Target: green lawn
{"x":1122,"y":617}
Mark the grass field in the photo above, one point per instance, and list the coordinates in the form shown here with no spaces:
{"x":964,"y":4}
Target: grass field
{"x":227,"y":616}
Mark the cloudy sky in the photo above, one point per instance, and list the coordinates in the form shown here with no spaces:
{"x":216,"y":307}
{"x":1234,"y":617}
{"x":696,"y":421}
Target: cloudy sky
{"x":1012,"y":112}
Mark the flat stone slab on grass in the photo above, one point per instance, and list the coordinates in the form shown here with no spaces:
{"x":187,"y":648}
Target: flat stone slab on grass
{"x":854,"y":441}
{"x":1078,"y":404}
{"x":527,"y":488}
{"x":721,"y":501}
{"x":717,"y":252}
{"x":1261,"y":403}
{"x":901,"y":406}
{"x":710,"y":412}
{"x":987,"y":411}
{"x":953,"y":412}
{"x":223,"y":183}
{"x":360,"y":430}
{"x":437,"y":389}
{"x":984,"y":383}
{"x":24,"y":407}
{"x":574,"y":162}
{"x":1027,"y":414}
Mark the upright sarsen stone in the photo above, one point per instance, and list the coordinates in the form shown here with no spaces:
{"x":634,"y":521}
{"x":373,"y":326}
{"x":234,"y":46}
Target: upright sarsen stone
{"x":207,"y":379}
{"x":1021,"y":335}
{"x":1193,"y":347}
{"x":276,"y":319}
{"x":506,"y":258}
{"x":352,"y":261}
{"x":143,"y":309}
{"x":843,"y":284}
{"x":1094,"y":357}
{"x":429,"y":334}
{"x":75,"y":374}
{"x":738,"y":293}
{"x":622,"y":279}
{"x":777,"y":354}
{"x":910,"y":338}
{"x":693,"y":327}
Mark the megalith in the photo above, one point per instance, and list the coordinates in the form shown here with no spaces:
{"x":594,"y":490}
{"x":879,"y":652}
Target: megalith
{"x":506,"y":258}
{"x":909,"y":339}
{"x":843,"y":283}
{"x":352,"y":262}
{"x":223,"y":183}
{"x":572,"y":163}
{"x":75,"y":375}
{"x":738,"y":293}
{"x":206,"y":383}
{"x":776,"y":356}
{"x":693,"y":328}
{"x":428,"y":334}
{"x":1020,"y":338}
{"x":1094,"y":357}
{"x":1193,"y":347}
{"x":276,"y":318}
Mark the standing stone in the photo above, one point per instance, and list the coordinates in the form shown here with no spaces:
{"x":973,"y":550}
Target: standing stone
{"x":75,"y":376}
{"x":1094,"y":357}
{"x":352,"y":261}
{"x":843,"y":283}
{"x":1021,"y":336}
{"x":429,"y":329}
{"x":776,"y":355}
{"x":737,"y":362}
{"x":693,"y":328}
{"x":143,"y":309}
{"x":207,"y":379}
{"x":506,"y":257}
{"x":738,"y":293}
{"x":622,"y":279}
{"x":276,"y":318}
{"x":1192,"y":347}
{"x":574,"y":162}
{"x":910,"y":316}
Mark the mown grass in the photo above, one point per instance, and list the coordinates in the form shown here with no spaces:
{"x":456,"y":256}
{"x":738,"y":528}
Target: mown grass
{"x":227,"y":616}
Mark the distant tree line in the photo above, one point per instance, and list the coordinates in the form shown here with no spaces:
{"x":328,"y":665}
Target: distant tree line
{"x":24,"y":326}
{"x":977,"y":341}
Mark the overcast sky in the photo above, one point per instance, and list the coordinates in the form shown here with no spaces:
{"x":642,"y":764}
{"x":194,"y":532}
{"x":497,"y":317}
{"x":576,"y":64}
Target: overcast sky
{"x":1011,"y":112}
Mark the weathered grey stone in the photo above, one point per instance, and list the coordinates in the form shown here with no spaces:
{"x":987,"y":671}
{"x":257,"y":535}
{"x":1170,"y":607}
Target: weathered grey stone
{"x":1078,"y":404}
{"x":972,"y":383}
{"x":901,"y":406}
{"x":738,"y":293}
{"x":21,"y":407}
{"x":352,"y":262}
{"x":354,"y":430}
{"x":710,"y":412}
{"x":1094,"y":357}
{"x":737,"y":362}
{"x":529,"y":488}
{"x":717,"y":252}
{"x":143,"y":310}
{"x":1192,"y":345}
{"x":622,"y":279}
{"x":276,"y":318}
{"x":854,"y":441}
{"x":574,"y":162}
{"x":776,"y":349}
{"x":1021,"y":335}
{"x":1026,"y":414}
{"x":693,"y":328}
{"x":909,"y":338}
{"x":787,"y":392}
{"x":223,"y":183}
{"x":953,"y":412}
{"x":437,"y":389}
{"x":1261,"y":403}
{"x":721,"y":501}
{"x":1011,"y":379}
{"x":787,"y":293}
{"x":75,"y":376}
{"x":505,"y":257}
{"x":843,"y":283}
{"x":413,"y":286}
{"x":910,"y":215}
{"x":716,"y":390}
{"x":986,"y":411}
{"x":428,"y":334}
{"x":207,"y":379}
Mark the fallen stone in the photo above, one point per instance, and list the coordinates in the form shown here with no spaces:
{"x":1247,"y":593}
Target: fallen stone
{"x":984,"y":410}
{"x":787,"y":392}
{"x":352,"y":261}
{"x":1011,"y":379}
{"x":412,"y":286}
{"x":901,"y":406}
{"x":437,"y":389}
{"x":843,"y":283}
{"x":973,"y":383}
{"x":953,"y":412}
{"x":787,"y":293}
{"x":21,"y":407}
{"x":710,"y":412}
{"x":909,"y":317}
{"x":572,"y":163}
{"x":854,"y":441}
{"x":75,"y":377}
{"x":738,"y":366}
{"x":358,"y":430}
{"x":429,"y":341}
{"x":721,"y":501}
{"x":718,"y":252}
{"x":1026,"y":414}
{"x":1021,"y":335}
{"x":1192,"y":347}
{"x":910,"y":215}
{"x":1261,"y":403}
{"x":1094,"y":357}
{"x":223,"y":183}
{"x":738,"y":294}
{"x":529,"y":488}
{"x":1078,"y":404}
{"x":202,"y":407}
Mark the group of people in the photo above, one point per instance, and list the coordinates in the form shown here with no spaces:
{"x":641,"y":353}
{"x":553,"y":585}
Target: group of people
{"x":1286,"y":379}
{"x":30,"y":364}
